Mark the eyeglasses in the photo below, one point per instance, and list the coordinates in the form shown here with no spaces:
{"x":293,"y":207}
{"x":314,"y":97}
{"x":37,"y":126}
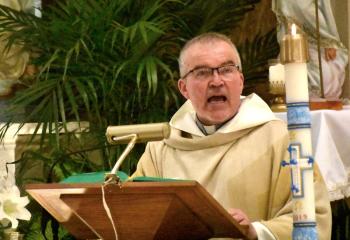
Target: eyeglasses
{"x":226,"y":72}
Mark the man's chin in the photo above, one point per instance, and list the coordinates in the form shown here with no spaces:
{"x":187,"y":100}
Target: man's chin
{"x":215,"y":119}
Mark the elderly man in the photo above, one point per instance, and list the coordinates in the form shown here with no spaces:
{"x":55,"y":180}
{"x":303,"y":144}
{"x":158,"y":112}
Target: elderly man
{"x":232,"y":145}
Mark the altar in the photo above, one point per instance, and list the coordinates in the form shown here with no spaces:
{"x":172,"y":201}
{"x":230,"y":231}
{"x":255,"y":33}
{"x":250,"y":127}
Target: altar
{"x":331,"y":148}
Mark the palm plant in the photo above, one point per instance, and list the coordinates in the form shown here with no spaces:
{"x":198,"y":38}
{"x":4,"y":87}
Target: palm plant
{"x":255,"y":55}
{"x":107,"y":62}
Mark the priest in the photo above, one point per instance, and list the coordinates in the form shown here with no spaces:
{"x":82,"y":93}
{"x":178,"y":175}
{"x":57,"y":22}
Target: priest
{"x":231,"y":145}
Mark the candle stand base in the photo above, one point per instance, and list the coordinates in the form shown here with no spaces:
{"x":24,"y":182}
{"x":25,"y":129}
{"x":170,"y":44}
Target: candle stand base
{"x":278,"y":107}
{"x":278,"y":104}
{"x":326,"y":104}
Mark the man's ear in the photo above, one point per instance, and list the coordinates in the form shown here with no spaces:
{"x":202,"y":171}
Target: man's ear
{"x":242,"y":81}
{"x":181,"y":84}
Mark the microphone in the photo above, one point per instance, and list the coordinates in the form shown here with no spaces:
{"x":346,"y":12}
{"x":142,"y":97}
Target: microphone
{"x":144,"y":132}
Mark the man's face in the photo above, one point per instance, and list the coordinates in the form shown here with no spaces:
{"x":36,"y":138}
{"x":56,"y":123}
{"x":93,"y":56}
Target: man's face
{"x":214,"y":99}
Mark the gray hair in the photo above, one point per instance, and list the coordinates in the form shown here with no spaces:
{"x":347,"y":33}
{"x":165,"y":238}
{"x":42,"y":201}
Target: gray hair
{"x":205,"y":38}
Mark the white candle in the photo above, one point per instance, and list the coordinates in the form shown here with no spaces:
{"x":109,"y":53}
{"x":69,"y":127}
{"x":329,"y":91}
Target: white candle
{"x":296,"y":82}
{"x":276,"y":73}
{"x":294,"y":54}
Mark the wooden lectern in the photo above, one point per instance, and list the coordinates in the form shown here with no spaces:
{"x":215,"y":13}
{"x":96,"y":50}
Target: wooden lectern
{"x":140,"y":210}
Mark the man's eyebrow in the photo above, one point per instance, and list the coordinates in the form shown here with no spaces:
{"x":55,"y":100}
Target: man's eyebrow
{"x":201,"y":66}
{"x":222,"y":64}
{"x":227,"y":62}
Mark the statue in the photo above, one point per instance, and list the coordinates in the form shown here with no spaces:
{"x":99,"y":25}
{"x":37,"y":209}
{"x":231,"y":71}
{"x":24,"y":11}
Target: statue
{"x":13,"y":63}
{"x":334,"y":56}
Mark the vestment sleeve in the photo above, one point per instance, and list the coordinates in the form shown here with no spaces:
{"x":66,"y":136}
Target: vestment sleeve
{"x":147,"y":163}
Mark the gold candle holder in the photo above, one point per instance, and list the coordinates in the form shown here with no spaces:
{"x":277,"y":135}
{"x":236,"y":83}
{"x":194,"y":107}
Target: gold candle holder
{"x":277,"y":86}
{"x":294,"y":55}
{"x":294,"y":47}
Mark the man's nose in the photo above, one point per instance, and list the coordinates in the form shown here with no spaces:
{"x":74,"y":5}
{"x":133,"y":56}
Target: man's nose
{"x":216,"y":79}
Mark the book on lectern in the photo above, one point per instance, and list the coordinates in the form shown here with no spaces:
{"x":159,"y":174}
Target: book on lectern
{"x":99,"y":177}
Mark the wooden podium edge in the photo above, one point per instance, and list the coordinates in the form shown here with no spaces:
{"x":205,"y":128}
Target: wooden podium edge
{"x":53,"y":204}
{"x":190,"y":193}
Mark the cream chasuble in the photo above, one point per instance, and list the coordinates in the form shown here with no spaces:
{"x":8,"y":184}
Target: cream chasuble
{"x":239,"y":165}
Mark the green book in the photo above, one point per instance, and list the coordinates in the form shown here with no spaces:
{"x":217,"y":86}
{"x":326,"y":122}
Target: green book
{"x":99,"y":177}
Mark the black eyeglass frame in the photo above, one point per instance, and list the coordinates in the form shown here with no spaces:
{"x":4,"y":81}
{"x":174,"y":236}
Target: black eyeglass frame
{"x":211,"y":68}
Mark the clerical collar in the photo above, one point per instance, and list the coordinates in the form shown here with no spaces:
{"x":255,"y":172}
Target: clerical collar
{"x":208,"y":129}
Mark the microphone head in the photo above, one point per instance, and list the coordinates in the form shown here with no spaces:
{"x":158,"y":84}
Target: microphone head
{"x":144,"y":132}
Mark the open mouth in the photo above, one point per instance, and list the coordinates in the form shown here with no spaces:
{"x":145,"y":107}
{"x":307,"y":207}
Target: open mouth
{"x":217,"y":99}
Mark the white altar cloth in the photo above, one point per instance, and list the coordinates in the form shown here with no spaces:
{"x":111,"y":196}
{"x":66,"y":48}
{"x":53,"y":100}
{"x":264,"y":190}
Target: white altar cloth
{"x":331,"y":148}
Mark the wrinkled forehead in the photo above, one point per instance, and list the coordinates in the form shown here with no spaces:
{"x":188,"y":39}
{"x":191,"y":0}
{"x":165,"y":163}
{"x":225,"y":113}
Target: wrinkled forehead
{"x":209,"y":52}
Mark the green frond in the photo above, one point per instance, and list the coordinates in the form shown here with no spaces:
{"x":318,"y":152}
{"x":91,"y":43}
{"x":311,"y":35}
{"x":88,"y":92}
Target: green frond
{"x":55,"y":121}
{"x":61,"y":107}
{"x":95,"y":101}
{"x":83,"y":94}
{"x":72,"y":100}
{"x":140,"y":69}
{"x":117,"y":69}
